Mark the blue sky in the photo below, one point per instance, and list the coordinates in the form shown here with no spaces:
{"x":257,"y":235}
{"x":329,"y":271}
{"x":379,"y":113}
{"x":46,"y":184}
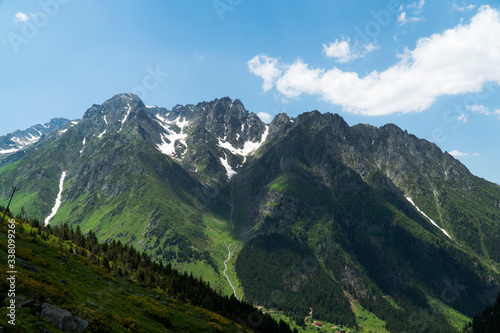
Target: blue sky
{"x":431,"y":67}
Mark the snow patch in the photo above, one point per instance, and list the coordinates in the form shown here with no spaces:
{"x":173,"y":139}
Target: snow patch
{"x":63,"y":131}
{"x":83,"y":144}
{"x":8,"y":151}
{"x":126,"y":116}
{"x":27,"y":141}
{"x":58,"y":199}
{"x":430,"y":220}
{"x":21,"y":143}
{"x":248,"y":148}
{"x":229,"y":171}
{"x":169,"y":138}
{"x":100,"y":135}
{"x":105,"y":120}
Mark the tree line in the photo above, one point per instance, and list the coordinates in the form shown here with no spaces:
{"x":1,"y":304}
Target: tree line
{"x":127,"y":262}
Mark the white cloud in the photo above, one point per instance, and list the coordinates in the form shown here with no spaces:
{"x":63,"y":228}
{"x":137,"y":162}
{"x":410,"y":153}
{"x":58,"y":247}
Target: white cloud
{"x":371,"y":47}
{"x":343,"y":52}
{"x":340,"y":50}
{"x":265,"y":117}
{"x":199,"y":56}
{"x":463,"y":118}
{"x":479,"y":109}
{"x":484,"y":110}
{"x":410,"y":85}
{"x":265,"y":67}
{"x":456,"y":153}
{"x":402,"y":18}
{"x":23,"y":17}
{"x":462,"y":7}
{"x":415,"y":8}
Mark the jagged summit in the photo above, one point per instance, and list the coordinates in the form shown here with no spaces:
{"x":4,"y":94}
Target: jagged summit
{"x":115,"y":107}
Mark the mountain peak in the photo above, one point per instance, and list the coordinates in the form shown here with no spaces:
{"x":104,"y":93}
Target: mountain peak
{"x":118,"y":106}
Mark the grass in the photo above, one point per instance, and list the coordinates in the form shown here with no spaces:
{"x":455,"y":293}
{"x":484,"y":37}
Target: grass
{"x":457,"y":319}
{"x":109,"y":302}
{"x":367,"y":321}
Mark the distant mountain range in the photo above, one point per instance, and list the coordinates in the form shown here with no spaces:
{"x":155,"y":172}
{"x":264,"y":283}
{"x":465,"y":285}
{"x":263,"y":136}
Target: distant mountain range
{"x":14,"y":145}
{"x":299,"y":214}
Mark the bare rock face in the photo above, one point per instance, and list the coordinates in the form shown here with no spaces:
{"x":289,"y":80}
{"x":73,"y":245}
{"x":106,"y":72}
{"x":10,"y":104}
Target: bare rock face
{"x":63,"y":319}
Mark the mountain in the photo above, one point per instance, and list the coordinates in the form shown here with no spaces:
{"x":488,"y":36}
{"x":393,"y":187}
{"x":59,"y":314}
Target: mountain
{"x":302,"y":214}
{"x":14,"y":145}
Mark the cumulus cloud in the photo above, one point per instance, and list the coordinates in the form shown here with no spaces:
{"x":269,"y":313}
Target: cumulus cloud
{"x":265,"y":67}
{"x":265,"y":117}
{"x":456,"y":61}
{"x":23,"y":17}
{"x":343,"y":52}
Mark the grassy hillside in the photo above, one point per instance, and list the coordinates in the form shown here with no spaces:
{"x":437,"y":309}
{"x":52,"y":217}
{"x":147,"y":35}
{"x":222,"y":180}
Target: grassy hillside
{"x":73,"y":272}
